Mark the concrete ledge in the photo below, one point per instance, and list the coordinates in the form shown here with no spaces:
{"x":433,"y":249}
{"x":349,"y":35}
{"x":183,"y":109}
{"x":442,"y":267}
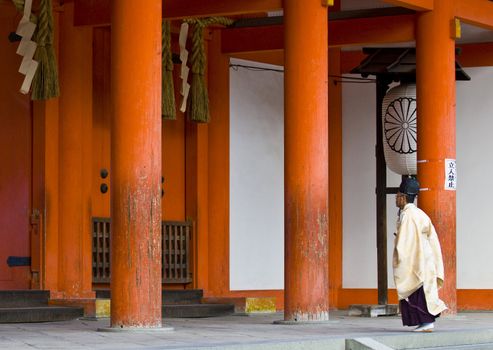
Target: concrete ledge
{"x":438,"y":338}
{"x":365,"y":344}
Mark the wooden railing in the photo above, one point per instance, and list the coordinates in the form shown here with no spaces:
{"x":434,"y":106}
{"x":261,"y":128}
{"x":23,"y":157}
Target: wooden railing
{"x":176,"y":251}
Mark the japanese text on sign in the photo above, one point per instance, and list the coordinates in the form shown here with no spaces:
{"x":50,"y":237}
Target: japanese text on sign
{"x":450,"y":174}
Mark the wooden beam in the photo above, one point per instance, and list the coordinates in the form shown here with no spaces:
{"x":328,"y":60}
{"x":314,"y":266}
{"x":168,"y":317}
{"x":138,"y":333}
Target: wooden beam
{"x":475,"y":12}
{"x":377,"y":30}
{"x":250,"y":39}
{"x":275,"y":57}
{"x":97,"y":12}
{"x":417,"y":5}
{"x":174,"y":9}
{"x":350,"y":60}
{"x":476,"y":55}
{"x":349,"y":32}
{"x":92,"y":12}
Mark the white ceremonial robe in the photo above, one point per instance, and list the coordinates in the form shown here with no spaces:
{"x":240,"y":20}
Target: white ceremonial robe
{"x":417,"y":259}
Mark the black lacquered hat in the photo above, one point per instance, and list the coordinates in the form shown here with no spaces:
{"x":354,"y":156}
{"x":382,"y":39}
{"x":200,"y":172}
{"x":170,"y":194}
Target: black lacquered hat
{"x":409,"y":186}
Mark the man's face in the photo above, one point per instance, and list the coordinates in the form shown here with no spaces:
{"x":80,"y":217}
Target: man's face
{"x":400,"y":200}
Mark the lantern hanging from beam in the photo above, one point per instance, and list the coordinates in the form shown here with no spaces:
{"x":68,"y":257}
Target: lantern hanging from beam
{"x":400,"y":129}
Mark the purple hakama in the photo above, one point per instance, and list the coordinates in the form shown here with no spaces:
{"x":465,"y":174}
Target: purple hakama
{"x":414,"y":310}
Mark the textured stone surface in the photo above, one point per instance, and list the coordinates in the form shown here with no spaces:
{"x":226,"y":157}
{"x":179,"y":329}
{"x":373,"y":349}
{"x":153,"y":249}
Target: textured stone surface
{"x":252,"y":332}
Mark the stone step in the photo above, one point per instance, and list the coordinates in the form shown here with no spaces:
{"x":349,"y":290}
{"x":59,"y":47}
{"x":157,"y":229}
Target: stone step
{"x":197,"y":310}
{"x":486,"y":346}
{"x":185,"y":296}
{"x":170,"y":296}
{"x":23,"y":298}
{"x":39,"y":314}
{"x":455,"y":339}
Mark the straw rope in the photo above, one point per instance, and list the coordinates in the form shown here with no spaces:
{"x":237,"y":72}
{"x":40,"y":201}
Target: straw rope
{"x":168,"y":108}
{"x":45,"y":82}
{"x":198,"y":102}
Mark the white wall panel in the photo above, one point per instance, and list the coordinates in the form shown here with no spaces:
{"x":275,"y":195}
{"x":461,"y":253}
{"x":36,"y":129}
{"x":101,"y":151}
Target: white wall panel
{"x":257,"y":226}
{"x":256,"y":179}
{"x":474,"y":180}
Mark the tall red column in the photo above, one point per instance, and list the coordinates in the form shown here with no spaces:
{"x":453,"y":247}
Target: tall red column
{"x":73,"y":242}
{"x":136,"y":164}
{"x":435,"y":66}
{"x":306,"y":161}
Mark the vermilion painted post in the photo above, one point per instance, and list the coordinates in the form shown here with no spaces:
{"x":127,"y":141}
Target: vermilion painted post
{"x":335,"y":173}
{"x":306,"y":161}
{"x":218,"y":247}
{"x":435,"y":65}
{"x":73,"y":241}
{"x":136,"y":164}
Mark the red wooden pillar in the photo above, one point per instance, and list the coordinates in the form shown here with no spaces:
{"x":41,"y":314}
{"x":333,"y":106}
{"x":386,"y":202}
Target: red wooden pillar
{"x":306,"y":161}
{"x":136,"y":164}
{"x":75,"y":125}
{"x":435,"y":65}
{"x":219,"y":100}
{"x":335,"y":178}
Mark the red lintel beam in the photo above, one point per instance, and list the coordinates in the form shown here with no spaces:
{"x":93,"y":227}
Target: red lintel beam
{"x":476,"y":12}
{"x":417,"y":5}
{"x":97,"y":12}
{"x":174,"y":9}
{"x":476,"y":55}
{"x":348,"y":32}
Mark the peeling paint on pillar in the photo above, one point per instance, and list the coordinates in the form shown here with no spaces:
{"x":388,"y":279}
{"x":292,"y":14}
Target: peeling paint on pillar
{"x":136,"y":164}
{"x":435,"y":85}
{"x":306,"y":162}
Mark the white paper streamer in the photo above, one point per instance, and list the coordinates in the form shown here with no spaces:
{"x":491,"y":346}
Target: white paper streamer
{"x":182,"y":41}
{"x":31,"y":70}
{"x":184,"y":77}
{"x":26,"y":28}
{"x":185,"y":86}
{"x":27,"y":47}
{"x":186,"y":90}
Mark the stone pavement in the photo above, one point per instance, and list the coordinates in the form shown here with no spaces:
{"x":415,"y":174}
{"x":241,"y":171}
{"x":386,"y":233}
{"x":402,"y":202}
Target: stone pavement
{"x":255,"y":332}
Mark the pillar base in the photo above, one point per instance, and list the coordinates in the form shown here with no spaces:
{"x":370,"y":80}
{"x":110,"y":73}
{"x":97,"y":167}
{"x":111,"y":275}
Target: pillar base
{"x":306,"y":318}
{"x":162,"y":329}
{"x":365,"y":310}
{"x":302,"y":323}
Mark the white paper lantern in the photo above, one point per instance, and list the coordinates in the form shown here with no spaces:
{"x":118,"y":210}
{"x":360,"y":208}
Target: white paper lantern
{"x":399,"y":123}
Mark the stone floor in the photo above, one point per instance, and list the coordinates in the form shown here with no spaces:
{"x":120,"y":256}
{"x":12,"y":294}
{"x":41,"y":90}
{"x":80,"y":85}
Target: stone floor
{"x":252,"y":332}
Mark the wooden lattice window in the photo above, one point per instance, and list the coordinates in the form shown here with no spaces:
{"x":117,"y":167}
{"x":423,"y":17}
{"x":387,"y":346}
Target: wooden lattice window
{"x":176,"y":250}
{"x":101,"y":250}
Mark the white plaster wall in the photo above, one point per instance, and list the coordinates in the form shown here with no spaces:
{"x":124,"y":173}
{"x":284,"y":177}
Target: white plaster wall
{"x":474,"y":145}
{"x":474,"y":180}
{"x":256,"y":179}
{"x":359,"y":179}
{"x":256,"y":223}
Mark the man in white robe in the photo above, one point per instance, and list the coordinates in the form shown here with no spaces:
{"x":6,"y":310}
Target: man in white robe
{"x":417,"y":262}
